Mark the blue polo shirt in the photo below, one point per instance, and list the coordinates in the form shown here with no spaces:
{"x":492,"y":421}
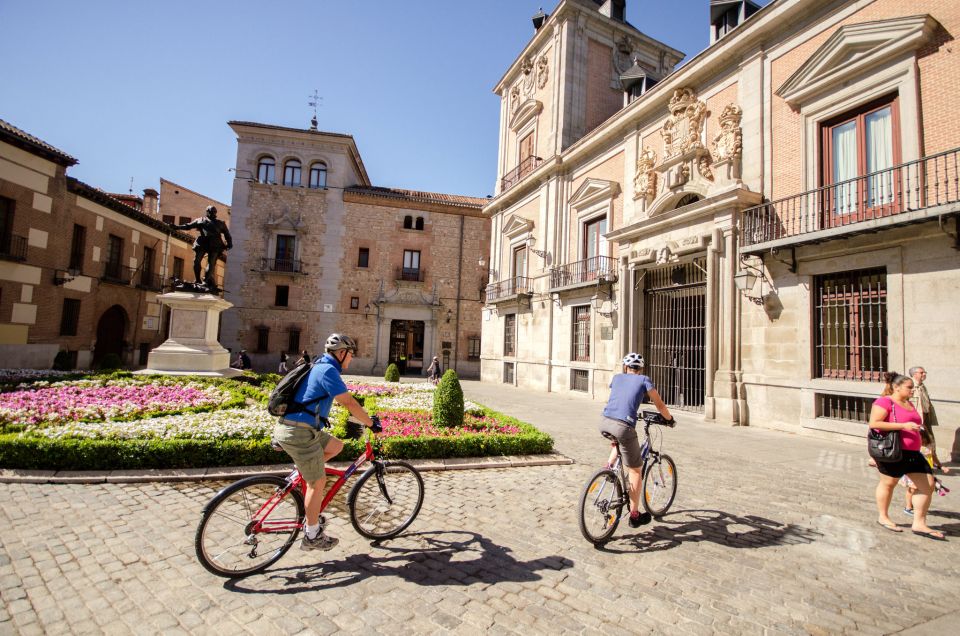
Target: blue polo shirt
{"x":627,"y":392}
{"x":323,"y":383}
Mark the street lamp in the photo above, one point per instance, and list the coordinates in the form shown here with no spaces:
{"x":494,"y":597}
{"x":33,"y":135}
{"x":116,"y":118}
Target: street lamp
{"x":449,"y":314}
{"x":366,"y":311}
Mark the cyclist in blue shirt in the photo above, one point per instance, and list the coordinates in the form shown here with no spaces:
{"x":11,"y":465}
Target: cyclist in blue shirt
{"x":627,"y":391}
{"x":301,"y":432}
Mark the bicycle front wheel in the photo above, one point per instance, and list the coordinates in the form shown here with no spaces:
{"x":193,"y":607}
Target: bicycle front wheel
{"x":385,"y":500}
{"x":600,"y":506}
{"x":248,"y":526}
{"x":660,"y":486}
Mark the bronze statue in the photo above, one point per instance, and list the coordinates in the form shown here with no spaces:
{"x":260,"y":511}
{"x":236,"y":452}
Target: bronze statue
{"x":211,"y":244}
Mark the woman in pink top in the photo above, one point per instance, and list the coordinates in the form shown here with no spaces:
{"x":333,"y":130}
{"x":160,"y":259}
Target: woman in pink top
{"x":894,"y":412}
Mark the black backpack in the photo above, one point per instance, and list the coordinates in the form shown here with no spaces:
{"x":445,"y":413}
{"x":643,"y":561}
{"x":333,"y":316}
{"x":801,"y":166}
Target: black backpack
{"x":281,"y":400}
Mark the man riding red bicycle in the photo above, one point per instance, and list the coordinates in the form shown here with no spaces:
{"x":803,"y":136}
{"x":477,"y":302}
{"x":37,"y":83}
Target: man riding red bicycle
{"x":301,"y":431}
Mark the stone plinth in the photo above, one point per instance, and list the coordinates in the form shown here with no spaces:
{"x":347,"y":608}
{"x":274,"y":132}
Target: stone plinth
{"x":192,"y":346}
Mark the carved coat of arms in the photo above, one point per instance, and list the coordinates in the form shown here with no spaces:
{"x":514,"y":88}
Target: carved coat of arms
{"x":682,"y":130}
{"x":645,"y":179}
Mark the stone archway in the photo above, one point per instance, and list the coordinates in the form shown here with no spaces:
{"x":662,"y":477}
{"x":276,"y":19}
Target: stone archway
{"x":111,"y":330}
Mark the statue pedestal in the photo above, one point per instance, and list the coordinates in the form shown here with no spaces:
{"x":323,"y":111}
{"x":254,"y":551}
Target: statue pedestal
{"x":192,"y":347}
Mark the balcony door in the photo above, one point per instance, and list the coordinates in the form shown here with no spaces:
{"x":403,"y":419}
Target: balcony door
{"x":519,"y":266}
{"x":285,"y":252}
{"x":594,"y":246}
{"x":860,"y":150}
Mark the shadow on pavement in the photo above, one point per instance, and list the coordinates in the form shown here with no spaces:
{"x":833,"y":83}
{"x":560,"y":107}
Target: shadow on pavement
{"x":426,"y":558}
{"x":693,"y":526}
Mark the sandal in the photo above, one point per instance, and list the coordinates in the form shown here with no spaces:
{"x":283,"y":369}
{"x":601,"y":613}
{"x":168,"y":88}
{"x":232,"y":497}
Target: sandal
{"x":892,"y":527}
{"x":930,"y":534}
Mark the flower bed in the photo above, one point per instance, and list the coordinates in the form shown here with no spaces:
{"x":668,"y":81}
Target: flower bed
{"x":119,"y":421}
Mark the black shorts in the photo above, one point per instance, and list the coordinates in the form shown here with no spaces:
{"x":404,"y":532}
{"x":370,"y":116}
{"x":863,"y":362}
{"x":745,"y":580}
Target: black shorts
{"x":911,"y":462}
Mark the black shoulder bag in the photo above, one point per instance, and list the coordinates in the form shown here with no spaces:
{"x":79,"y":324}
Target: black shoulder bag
{"x":884,"y":446}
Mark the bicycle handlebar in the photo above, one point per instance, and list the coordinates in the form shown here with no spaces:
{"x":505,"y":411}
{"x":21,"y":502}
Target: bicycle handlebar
{"x":652,"y":417}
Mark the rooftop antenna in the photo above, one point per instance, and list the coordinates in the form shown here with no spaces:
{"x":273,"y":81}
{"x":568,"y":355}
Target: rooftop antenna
{"x":315,"y":100}
{"x":131,"y":185}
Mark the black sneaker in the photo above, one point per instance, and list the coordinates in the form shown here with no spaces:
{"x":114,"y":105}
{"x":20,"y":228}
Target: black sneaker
{"x":322,"y":541}
{"x":641,"y":519}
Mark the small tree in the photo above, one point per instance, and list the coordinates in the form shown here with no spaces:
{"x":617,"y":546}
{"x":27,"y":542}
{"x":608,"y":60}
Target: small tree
{"x":392,"y":374}
{"x":448,"y":401}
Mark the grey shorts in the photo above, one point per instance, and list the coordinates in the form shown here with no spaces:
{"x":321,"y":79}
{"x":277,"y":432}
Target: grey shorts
{"x":305,"y":445}
{"x":629,"y":441}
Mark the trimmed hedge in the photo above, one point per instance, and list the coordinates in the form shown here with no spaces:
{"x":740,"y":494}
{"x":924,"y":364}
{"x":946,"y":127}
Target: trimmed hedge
{"x":448,"y":401}
{"x":392,"y":373}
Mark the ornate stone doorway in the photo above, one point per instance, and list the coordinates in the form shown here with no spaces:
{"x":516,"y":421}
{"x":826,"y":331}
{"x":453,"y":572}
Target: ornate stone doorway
{"x":406,"y":345}
{"x":111,"y":330}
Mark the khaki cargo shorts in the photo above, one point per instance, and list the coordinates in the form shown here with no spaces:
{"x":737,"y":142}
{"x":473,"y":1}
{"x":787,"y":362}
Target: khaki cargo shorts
{"x":305,"y":445}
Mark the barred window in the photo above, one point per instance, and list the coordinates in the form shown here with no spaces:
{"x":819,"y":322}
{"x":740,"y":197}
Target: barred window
{"x":293,"y":340}
{"x":508,"y":375}
{"x":69,"y":317}
{"x":510,"y":335}
{"x":263,"y":339}
{"x":579,"y":380}
{"x":851,"y":323}
{"x":581,"y":333}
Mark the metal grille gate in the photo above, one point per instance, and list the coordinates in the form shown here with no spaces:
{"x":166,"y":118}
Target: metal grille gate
{"x":675,"y":332}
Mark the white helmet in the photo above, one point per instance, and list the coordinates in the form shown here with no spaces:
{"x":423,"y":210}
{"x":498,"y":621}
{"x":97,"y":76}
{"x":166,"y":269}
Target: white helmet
{"x":339,"y":342}
{"x":633,"y":360}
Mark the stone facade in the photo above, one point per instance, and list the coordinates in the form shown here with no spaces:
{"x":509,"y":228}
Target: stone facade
{"x":114,"y":307}
{"x":431,"y":304}
{"x":719,"y":251}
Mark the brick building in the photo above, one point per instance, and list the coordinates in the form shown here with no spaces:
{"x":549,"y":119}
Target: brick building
{"x":772,"y":225}
{"x":80,"y":269}
{"x":318,"y":249}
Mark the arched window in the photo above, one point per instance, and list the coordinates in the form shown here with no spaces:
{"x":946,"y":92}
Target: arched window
{"x":687,"y":200}
{"x":408,"y":222}
{"x":318,"y":175}
{"x":267,"y":170}
{"x":419,"y":224}
{"x":291,"y":173}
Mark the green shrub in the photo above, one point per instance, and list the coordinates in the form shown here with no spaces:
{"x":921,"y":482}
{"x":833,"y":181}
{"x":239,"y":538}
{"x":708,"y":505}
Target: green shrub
{"x":109,"y":362}
{"x":392,"y":374}
{"x":448,"y":401}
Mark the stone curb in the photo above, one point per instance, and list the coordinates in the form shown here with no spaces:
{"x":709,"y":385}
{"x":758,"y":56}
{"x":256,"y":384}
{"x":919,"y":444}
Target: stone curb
{"x":225,"y":473}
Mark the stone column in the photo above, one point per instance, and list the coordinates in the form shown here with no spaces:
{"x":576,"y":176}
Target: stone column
{"x":725,"y":384}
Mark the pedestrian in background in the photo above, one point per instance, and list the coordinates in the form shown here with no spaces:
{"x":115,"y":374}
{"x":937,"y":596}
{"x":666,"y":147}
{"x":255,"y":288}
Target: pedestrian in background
{"x":282,"y":368}
{"x":893,"y":411}
{"x":928,"y":416}
{"x":434,"y":371}
{"x":304,"y":358}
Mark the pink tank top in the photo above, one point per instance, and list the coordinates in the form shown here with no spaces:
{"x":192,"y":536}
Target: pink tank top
{"x":909,"y":440}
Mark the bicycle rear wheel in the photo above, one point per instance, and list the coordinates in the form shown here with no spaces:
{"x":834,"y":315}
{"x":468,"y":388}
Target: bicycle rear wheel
{"x":385,"y":500}
{"x":660,"y":486}
{"x":600,"y":506}
{"x":248,"y":526}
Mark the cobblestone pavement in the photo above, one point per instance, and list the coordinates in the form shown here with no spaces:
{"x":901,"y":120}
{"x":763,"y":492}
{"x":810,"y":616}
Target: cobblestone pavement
{"x":770,"y":533}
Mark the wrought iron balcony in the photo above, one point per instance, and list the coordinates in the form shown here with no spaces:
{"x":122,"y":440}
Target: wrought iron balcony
{"x":13,"y":247}
{"x":509,"y":288}
{"x":117,"y":274}
{"x":586,"y":272}
{"x":285,"y":265}
{"x":906,"y":193}
{"x":524,"y":168}
{"x":150,"y":281}
{"x":411,"y":274}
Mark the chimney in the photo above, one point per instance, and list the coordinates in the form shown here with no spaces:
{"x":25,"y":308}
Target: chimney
{"x":539,"y":19}
{"x":150,"y":202}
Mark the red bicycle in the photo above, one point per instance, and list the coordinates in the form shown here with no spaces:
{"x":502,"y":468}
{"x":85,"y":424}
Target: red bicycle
{"x":251,"y":523}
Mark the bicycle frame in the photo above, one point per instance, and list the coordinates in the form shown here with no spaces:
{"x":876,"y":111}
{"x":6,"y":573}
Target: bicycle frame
{"x":295,"y":481}
{"x":646,"y":452}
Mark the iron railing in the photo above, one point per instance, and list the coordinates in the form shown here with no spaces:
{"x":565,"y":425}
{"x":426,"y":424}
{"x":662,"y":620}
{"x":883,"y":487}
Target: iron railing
{"x":116,"y":273}
{"x":151,"y":281}
{"x":524,"y":168}
{"x":927,"y":182}
{"x":13,"y":247}
{"x":581,"y":272}
{"x":287,"y":265}
{"x":509,"y":287}
{"x":412,"y":274}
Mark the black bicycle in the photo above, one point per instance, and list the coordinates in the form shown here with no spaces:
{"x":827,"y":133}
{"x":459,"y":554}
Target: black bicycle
{"x":608,"y":490}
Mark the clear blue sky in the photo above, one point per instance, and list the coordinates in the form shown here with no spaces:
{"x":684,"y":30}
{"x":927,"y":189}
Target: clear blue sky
{"x":144,"y":89}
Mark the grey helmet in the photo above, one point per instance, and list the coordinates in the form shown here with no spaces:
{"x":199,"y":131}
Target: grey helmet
{"x":339,"y":342}
{"x":633,"y":360}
